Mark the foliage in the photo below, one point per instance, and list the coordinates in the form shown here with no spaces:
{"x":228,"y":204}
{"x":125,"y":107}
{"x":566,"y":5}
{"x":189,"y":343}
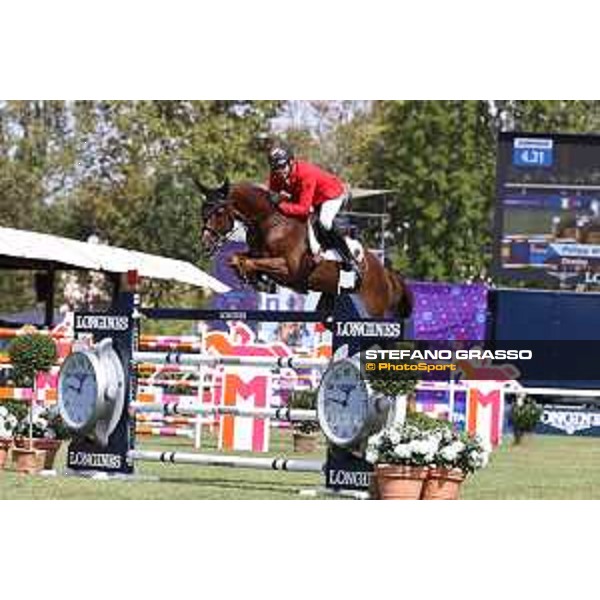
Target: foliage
{"x":8,"y":423}
{"x":17,"y":408}
{"x":426,"y":423}
{"x":304,"y":400}
{"x":393,"y":387}
{"x":525,"y":415}
{"x":29,"y":354}
{"x":46,"y":423}
{"x":423,"y":441}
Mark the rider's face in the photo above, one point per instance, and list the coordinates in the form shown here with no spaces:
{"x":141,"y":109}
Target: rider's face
{"x":282,"y":172}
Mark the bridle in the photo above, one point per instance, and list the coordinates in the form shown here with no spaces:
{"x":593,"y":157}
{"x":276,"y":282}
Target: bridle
{"x":219,"y":238}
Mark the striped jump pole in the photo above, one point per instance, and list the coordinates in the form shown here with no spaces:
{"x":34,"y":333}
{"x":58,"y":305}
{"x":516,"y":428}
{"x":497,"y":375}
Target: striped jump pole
{"x":235,"y":462}
{"x":145,"y":429}
{"x":279,"y":413}
{"x":292,"y":362}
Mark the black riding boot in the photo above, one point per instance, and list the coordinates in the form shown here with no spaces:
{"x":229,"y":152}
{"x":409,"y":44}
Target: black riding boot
{"x":338,"y":243}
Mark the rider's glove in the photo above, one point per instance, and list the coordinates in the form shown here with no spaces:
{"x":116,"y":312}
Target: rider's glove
{"x":275,"y":198}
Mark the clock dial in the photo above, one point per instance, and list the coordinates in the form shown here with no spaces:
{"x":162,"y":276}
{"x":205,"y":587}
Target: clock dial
{"x":78,"y":390}
{"x":343,"y":403}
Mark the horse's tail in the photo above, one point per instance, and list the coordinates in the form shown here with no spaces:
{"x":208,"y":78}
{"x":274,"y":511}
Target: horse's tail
{"x":403,"y":297}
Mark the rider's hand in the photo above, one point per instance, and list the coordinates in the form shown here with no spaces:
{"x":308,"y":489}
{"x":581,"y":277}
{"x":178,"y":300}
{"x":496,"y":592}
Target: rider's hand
{"x":275,"y":198}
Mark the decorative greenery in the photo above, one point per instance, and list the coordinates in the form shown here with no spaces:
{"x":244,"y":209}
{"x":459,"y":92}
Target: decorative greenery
{"x":459,"y":450}
{"x":30,"y":354}
{"x":393,"y":387}
{"x":304,"y":400}
{"x":424,"y":441}
{"x":525,"y":415}
{"x":46,"y":423}
{"x":425,"y":422}
{"x":17,"y":408}
{"x":56,"y":426}
{"x":8,"y":423}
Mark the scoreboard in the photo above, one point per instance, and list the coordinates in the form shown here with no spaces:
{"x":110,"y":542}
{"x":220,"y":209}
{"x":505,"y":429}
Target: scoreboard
{"x":547,"y":218}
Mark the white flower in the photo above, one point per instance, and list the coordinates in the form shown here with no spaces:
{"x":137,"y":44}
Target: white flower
{"x":3,"y":411}
{"x":448,"y":454}
{"x":371,"y":456}
{"x":395,"y":437}
{"x":403,"y":450}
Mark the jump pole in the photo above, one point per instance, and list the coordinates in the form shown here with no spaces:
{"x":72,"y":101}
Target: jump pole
{"x":235,"y":462}
{"x":278,"y":413}
{"x":281,"y":362}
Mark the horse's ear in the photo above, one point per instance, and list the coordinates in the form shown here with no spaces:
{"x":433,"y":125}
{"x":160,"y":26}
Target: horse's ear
{"x":223,"y":190}
{"x":205,"y":191}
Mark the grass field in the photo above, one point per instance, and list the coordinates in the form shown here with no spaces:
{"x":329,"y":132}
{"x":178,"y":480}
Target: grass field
{"x":545,"y":467}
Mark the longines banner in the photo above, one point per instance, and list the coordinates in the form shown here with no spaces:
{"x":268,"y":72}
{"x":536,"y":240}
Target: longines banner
{"x":570,"y":420}
{"x":475,"y":360}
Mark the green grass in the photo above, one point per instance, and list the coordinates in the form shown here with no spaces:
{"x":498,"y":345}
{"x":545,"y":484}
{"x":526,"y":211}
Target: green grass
{"x":185,"y":482}
{"x":545,"y":467}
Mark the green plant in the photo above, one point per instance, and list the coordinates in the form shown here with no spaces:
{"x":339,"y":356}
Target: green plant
{"x":56,"y":424}
{"x":17,"y":408}
{"x":46,"y":423}
{"x":425,"y":422}
{"x":8,"y":423}
{"x":304,"y":400}
{"x":30,"y":354}
{"x":393,"y":387}
{"x":525,"y":415}
{"x":423,"y":441}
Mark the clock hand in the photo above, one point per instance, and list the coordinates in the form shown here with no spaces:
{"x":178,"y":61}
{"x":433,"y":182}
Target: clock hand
{"x":338,"y":401}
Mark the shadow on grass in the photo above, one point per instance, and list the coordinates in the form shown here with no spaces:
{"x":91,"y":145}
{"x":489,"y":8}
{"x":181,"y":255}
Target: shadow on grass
{"x":240,"y":484}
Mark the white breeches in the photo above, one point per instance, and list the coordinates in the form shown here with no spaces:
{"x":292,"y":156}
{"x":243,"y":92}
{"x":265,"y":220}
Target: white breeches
{"x":329,"y":209}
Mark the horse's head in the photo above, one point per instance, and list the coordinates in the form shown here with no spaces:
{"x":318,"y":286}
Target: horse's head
{"x":217,"y":216}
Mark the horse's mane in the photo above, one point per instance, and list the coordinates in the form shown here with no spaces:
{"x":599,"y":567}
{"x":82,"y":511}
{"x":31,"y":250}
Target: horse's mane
{"x":252,"y":195}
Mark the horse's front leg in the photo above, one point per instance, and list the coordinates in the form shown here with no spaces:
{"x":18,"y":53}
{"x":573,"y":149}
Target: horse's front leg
{"x":275,"y":268}
{"x":240,"y":263}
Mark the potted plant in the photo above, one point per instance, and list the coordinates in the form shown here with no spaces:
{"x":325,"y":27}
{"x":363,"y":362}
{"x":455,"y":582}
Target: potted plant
{"x":304,"y":433}
{"x":525,"y":416}
{"x":423,"y":458}
{"x":458,"y":455}
{"x":49,"y":431}
{"x":29,"y":354}
{"x":401,"y":454}
{"x":8,"y":423}
{"x":399,"y":391}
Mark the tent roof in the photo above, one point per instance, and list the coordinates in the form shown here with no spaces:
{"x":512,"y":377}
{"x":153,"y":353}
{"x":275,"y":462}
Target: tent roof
{"x":360,"y":193}
{"x":21,"y":249}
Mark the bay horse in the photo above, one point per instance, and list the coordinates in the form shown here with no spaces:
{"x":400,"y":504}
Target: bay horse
{"x":279,"y":248}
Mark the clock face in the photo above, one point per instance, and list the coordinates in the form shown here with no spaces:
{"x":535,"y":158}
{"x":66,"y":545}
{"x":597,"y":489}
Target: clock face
{"x":343,"y":403}
{"x":78,"y":389}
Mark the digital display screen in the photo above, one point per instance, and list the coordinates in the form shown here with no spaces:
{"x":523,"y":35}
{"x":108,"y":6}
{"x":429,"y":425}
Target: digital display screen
{"x":547,"y":224}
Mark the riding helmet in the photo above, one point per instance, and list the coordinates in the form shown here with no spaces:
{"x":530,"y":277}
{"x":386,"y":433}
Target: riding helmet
{"x":279,"y":157}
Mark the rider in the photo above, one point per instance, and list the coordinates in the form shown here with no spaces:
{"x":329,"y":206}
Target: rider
{"x":298,"y":186}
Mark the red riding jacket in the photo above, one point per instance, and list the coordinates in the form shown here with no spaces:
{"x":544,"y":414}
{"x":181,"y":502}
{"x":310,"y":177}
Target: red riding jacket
{"x":308,"y":186}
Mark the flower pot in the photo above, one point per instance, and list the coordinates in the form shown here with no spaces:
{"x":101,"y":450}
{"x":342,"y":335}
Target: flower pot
{"x":399,"y":482}
{"x":442,"y":484}
{"x":304,"y":442}
{"x":28,"y":460}
{"x":5,"y":446}
{"x":51,"y":448}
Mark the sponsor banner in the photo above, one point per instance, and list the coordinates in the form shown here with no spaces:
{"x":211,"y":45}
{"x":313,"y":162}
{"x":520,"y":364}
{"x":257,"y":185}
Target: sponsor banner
{"x":346,"y":470}
{"x":575,"y":420}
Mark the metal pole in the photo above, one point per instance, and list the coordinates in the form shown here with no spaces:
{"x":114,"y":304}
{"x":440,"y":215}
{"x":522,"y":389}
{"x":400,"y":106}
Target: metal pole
{"x":236,"y":462}
{"x":175,"y":408}
{"x":293,"y":362}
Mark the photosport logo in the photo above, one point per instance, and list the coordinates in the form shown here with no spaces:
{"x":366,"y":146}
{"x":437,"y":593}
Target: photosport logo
{"x":420,"y":361}
{"x":553,"y":362}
